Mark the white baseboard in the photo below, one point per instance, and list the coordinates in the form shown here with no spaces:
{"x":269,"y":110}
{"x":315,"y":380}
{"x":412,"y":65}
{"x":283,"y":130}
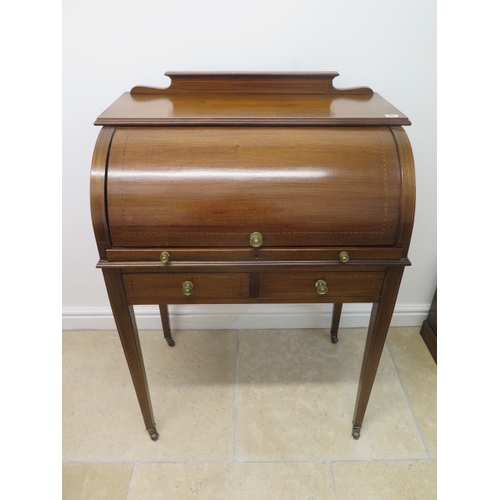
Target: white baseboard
{"x":229,"y":317}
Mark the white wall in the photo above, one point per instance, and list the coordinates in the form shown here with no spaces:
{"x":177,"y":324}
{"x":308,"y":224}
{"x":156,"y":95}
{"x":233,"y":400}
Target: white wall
{"x":110,"y":46}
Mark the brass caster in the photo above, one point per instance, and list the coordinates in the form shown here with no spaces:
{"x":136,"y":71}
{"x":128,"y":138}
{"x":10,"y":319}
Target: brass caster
{"x":153,"y":434}
{"x":170,"y":341}
{"x":356,"y":432}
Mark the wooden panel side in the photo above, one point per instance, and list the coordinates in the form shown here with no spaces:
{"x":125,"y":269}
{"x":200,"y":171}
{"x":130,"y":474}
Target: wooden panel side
{"x":98,"y":175}
{"x":408,"y":187}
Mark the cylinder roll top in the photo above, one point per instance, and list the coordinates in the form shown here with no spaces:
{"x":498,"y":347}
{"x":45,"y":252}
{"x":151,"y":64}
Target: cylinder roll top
{"x":215,"y":186}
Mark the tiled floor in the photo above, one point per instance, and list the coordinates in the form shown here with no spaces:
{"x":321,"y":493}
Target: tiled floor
{"x":248,"y":414}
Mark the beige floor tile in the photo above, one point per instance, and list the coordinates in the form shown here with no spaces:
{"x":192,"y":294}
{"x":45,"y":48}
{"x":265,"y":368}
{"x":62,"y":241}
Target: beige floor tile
{"x":241,"y":481}
{"x":296,"y":397}
{"x":192,"y":389}
{"x":95,"y":481}
{"x":394,"y":480}
{"x":418,"y":373}
{"x":296,"y":394}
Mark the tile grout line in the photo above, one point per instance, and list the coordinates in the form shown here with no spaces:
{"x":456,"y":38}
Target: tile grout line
{"x":228,"y":462}
{"x":429,"y":455}
{"x":235,"y":458}
{"x":333,"y":481}
{"x":130,"y":481}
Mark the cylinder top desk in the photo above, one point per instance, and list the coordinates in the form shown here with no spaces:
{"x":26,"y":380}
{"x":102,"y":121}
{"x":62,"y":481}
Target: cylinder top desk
{"x":252,"y":188}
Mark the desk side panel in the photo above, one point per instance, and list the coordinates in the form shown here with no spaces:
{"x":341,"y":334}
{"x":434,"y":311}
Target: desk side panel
{"x":98,"y":175}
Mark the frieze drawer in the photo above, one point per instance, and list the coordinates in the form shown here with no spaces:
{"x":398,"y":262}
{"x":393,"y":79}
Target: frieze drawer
{"x":185,"y":288}
{"x":349,"y":286}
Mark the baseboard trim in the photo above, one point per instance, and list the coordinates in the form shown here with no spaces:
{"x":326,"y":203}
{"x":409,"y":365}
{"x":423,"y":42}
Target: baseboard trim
{"x":238,"y":317}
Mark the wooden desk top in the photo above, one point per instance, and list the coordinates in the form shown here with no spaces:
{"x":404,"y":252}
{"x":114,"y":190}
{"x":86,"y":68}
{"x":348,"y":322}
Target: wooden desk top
{"x":251,"y":99}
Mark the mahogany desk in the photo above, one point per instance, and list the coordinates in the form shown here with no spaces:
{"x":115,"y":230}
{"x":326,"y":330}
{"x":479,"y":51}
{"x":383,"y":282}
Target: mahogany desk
{"x":252,"y":188}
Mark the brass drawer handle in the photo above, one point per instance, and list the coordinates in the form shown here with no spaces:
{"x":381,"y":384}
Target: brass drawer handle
{"x":256,"y":239}
{"x":321,"y":287}
{"x":344,"y":256}
{"x":187,"y":288}
{"x":165,"y":257}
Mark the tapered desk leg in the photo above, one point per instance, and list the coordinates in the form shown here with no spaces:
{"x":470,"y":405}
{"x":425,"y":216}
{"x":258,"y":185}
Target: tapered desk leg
{"x":127,"y":329}
{"x":380,"y":320}
{"x":334,"y":330}
{"x":165,"y":323}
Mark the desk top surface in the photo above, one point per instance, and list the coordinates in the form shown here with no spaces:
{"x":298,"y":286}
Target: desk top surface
{"x":257,"y":99}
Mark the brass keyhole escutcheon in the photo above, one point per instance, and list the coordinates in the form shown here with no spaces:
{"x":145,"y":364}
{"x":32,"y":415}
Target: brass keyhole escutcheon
{"x":256,"y":239}
{"x":344,"y":256}
{"x":187,"y":288}
{"x":165,"y":257}
{"x":321,"y":287}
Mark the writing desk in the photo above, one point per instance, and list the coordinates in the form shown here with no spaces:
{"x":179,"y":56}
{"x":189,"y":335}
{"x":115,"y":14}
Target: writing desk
{"x":252,"y":188}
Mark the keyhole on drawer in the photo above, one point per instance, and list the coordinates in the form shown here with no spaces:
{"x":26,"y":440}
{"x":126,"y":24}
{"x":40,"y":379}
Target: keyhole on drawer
{"x":256,"y":256}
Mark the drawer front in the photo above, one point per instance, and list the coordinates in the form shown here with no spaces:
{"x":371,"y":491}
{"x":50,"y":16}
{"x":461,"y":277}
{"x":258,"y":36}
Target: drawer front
{"x":180,"y":288}
{"x":318,"y":286}
{"x":179,"y":255}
